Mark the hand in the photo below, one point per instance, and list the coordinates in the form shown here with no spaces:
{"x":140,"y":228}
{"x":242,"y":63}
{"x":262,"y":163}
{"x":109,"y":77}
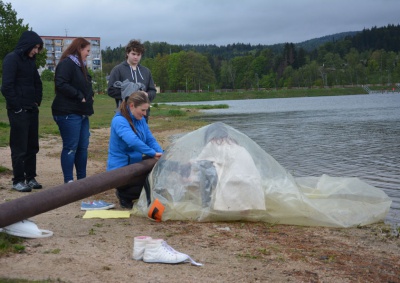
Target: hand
{"x":83,"y":100}
{"x":158,"y":155}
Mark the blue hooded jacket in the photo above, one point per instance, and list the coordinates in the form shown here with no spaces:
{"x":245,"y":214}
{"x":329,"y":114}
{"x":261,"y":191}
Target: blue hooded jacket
{"x":127,"y":147}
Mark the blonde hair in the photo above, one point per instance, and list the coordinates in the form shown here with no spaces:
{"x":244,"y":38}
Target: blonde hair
{"x":137,"y":98}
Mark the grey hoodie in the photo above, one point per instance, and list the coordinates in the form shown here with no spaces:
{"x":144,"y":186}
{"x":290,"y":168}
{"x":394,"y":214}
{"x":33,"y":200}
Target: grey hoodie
{"x":123,"y":72}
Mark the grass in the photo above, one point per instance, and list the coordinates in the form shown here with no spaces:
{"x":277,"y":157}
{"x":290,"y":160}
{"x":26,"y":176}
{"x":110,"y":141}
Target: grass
{"x":10,"y":244}
{"x":164,"y":117}
{"x":104,"y":108}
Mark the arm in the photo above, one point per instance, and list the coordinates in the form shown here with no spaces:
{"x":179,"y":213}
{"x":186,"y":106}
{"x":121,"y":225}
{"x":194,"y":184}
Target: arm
{"x":151,"y":89}
{"x":125,"y":132}
{"x":112,"y":91}
{"x":8,"y":84}
{"x":151,"y":141}
{"x":38,"y":88}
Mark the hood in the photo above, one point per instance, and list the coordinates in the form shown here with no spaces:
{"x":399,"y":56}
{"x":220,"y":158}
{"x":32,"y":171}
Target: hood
{"x":27,"y":41}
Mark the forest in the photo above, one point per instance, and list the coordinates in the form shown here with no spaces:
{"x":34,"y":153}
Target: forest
{"x":370,"y":56}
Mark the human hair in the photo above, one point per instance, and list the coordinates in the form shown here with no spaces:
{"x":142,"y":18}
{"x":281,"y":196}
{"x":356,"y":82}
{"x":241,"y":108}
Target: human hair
{"x":134,"y":45}
{"x":137,"y":98}
{"x":75,"y":48}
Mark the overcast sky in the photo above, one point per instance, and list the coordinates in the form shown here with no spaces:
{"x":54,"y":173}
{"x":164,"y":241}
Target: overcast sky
{"x":219,"y":22}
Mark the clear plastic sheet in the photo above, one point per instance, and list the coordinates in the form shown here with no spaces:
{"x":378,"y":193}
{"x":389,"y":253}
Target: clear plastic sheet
{"x":217,"y":173}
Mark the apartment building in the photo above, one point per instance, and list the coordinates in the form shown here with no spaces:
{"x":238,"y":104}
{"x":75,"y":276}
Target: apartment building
{"x":55,"y":45}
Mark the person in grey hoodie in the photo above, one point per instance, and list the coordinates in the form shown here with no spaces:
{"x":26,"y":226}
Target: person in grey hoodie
{"x":132,"y":70}
{"x":23,"y":90}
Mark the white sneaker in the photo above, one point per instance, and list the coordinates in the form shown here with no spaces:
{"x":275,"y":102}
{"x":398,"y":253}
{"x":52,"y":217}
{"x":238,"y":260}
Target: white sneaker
{"x":159,"y":251}
{"x":139,"y":244}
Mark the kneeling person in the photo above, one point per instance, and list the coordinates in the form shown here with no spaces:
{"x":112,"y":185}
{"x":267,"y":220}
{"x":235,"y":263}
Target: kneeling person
{"x":131,"y":141}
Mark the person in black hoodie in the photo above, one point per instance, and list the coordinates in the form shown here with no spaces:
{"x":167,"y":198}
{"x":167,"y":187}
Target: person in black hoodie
{"x":72,"y":107}
{"x":22,"y":89}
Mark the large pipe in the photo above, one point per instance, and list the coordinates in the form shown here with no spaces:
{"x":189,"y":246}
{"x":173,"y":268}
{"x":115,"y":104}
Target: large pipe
{"x":46,"y":200}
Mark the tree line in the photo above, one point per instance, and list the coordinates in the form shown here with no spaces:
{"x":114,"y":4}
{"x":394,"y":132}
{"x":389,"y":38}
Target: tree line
{"x":370,"y":56}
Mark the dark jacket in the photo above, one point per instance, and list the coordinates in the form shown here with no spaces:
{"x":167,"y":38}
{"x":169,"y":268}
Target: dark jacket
{"x":21,"y":86}
{"x":71,"y":87}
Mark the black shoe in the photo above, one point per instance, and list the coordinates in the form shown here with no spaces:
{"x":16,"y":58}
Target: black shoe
{"x":33,"y":184}
{"x":126,"y":203}
{"x":123,"y":202}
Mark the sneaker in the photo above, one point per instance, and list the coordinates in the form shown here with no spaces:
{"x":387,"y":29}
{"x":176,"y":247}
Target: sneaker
{"x":139,"y":244}
{"x":33,"y":184}
{"x":109,"y":204}
{"x":96,"y":205}
{"x":159,"y":251}
{"x":124,"y":203}
{"x":21,"y":187}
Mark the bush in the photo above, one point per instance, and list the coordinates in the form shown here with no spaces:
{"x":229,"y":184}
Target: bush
{"x":47,"y":75}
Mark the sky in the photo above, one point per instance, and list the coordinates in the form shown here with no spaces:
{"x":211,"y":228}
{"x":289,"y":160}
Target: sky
{"x":219,"y":22}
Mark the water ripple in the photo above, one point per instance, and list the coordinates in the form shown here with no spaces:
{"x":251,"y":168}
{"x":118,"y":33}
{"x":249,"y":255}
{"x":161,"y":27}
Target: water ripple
{"x":338,"y":136}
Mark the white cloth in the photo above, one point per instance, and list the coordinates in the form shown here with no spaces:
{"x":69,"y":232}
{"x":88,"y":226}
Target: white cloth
{"x":239,"y":182}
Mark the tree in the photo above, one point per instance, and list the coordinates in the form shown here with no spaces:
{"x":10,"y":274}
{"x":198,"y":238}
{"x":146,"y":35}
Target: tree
{"x":47,"y":76}
{"x":11,"y":29}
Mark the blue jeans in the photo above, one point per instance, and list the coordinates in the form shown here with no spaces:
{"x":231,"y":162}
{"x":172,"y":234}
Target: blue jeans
{"x":74,"y":130}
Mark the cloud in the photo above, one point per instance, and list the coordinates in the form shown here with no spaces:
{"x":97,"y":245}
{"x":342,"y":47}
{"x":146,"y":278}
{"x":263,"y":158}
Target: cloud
{"x":218,"y":22}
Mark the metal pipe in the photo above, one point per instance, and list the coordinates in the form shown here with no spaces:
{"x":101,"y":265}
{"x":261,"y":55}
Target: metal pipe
{"x":46,"y":200}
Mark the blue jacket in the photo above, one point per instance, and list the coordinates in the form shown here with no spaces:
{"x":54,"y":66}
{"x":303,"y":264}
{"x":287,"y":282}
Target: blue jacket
{"x":126,"y":147}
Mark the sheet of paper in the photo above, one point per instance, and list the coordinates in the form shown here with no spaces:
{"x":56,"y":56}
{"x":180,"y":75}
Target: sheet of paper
{"x":107,"y":214}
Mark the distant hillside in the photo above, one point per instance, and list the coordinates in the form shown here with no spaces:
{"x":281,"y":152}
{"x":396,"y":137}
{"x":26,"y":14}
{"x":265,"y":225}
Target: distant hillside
{"x":238,"y":49}
{"x":311,"y":44}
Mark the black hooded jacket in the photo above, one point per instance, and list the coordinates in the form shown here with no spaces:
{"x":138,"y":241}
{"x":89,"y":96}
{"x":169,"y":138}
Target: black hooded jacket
{"x":21,"y":84}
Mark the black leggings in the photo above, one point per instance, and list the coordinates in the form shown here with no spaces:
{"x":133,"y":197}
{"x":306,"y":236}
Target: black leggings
{"x":132,"y":191}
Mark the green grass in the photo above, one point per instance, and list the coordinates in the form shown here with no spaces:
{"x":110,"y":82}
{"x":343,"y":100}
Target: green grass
{"x":104,"y":107}
{"x":10,"y":244}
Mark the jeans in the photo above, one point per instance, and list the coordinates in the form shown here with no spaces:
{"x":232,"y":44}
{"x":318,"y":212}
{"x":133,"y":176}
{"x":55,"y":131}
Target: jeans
{"x":74,"y":130}
{"x":24,"y":143}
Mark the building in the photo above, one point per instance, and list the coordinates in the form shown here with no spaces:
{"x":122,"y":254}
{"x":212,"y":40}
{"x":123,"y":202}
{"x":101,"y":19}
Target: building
{"x":55,"y":45}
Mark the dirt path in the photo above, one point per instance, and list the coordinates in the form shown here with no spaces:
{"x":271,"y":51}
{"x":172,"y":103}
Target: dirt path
{"x":99,"y":250}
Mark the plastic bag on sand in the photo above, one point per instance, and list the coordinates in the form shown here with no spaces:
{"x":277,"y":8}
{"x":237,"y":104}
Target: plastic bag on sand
{"x":217,"y":173}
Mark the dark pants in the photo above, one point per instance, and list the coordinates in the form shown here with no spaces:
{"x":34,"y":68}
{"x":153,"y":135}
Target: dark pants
{"x":132,"y":191}
{"x":24,"y":143}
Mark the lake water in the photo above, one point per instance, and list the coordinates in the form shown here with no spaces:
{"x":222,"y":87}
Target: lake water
{"x":342,"y":136}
